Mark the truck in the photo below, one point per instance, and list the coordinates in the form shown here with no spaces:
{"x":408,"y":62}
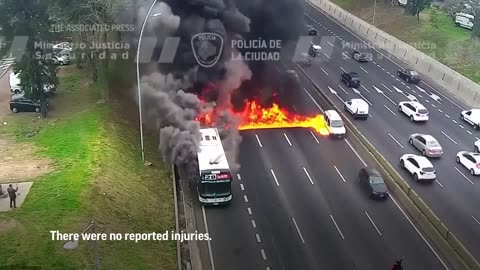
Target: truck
{"x":214,"y":175}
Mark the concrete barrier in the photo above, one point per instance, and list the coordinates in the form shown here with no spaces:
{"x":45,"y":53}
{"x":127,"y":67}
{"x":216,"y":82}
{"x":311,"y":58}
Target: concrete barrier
{"x":449,"y":246}
{"x":458,"y":85}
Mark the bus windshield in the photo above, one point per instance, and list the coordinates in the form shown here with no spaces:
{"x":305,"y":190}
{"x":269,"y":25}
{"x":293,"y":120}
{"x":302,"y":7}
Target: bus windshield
{"x":220,"y":189}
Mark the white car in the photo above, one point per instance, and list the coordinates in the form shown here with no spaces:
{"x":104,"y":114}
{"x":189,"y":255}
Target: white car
{"x":357,"y":107}
{"x":469,"y":160}
{"x":472,"y":117}
{"x":334,"y":124}
{"x":60,"y":59}
{"x":62,"y":46}
{"x":476,"y":145}
{"x":414,"y":110}
{"x":419,"y":166}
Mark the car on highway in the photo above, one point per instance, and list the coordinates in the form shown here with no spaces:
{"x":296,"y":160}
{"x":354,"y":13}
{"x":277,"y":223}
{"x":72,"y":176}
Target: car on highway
{"x":419,"y":167}
{"x":472,"y":117}
{"x":334,"y":124}
{"x":427,"y":144}
{"x":361,"y":57}
{"x":311,"y":30}
{"x":409,"y":75}
{"x":357,"y":107}
{"x":414,"y":110}
{"x":351,"y":79}
{"x":20,"y":103}
{"x":372,"y":182}
{"x":476,"y":146}
{"x":314,"y":49}
{"x":469,"y":160}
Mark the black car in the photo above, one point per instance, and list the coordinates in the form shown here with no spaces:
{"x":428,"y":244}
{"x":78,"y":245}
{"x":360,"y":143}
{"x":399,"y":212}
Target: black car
{"x":311,"y":30}
{"x":361,"y":57}
{"x":19,"y":103}
{"x":351,"y":79}
{"x":409,"y":75}
{"x":372,"y":182}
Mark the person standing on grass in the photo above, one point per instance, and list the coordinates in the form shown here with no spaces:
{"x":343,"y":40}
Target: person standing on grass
{"x":12,"y":193}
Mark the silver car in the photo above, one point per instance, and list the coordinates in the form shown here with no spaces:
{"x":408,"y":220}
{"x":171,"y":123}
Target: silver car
{"x":427,"y":144}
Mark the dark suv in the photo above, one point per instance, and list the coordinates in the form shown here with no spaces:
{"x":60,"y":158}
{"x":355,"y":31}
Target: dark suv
{"x":19,"y":103}
{"x":372,"y":182}
{"x":351,"y":79}
{"x":409,"y":75}
{"x":361,"y":57}
{"x":311,"y":30}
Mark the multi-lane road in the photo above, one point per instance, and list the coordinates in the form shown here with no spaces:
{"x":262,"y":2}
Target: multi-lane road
{"x":455,"y":194}
{"x":297,"y":201}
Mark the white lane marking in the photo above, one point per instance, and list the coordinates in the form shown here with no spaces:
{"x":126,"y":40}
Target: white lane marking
{"x":433,"y":105}
{"x":249,"y":210}
{"x":242,"y":187}
{"x":254,"y":225}
{"x":389,"y":109}
{"x":314,"y":137}
{"x":388,"y":72}
{"x":387,"y":88}
{"x":409,"y":87}
{"x":245,"y":198}
{"x":274,"y":177}
{"x":469,"y":132}
{"x":440,"y":184}
{"x":286,"y":138}
{"x":239,"y":177}
{"x":427,"y":101}
{"x":258,"y":140}
{"x":363,"y":69}
{"x":324,"y":71}
{"x":210,"y":253}
{"x":464,"y":176}
{"x":316,"y":104}
{"x":338,"y":229}
{"x":364,"y":88}
{"x":396,"y":89}
{"x":458,"y":106}
{"x":374,"y":62}
{"x":344,"y":54}
{"x":476,"y":220}
{"x":366,"y":100}
{"x":351,"y":147}
{"x":327,"y":56}
{"x":419,"y":233}
{"x":378,"y":66}
{"x":341,"y":176}
{"x":330,"y":43}
{"x":343,"y":69}
{"x":461,"y":126}
{"x":445,"y":134}
{"x":448,"y":116}
{"x":403,"y":83}
{"x":263,"y":255}
{"x":383,"y":68}
{"x":343,"y":89}
{"x":440,"y":110}
{"x":373,"y":223}
{"x":258,"y":238}
{"x":396,"y":78}
{"x":393,"y":138}
{"x":298,"y":230}
{"x":308,"y":175}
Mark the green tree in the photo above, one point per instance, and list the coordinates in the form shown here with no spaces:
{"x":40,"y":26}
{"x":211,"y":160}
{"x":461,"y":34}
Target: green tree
{"x":476,"y":23}
{"x":30,"y":18}
{"x":414,"y":7}
{"x":435,"y":17}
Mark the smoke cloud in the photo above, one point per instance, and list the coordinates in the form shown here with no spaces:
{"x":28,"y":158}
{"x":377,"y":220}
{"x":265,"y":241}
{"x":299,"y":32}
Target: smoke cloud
{"x":170,"y":95}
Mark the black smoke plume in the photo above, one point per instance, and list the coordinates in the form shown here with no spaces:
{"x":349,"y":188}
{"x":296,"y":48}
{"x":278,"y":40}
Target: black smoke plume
{"x":170,"y":95}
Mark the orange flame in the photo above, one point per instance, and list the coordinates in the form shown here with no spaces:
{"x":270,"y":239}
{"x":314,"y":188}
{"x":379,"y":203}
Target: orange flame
{"x":256,"y":117}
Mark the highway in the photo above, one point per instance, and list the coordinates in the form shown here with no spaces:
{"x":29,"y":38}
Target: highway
{"x":298,"y":205}
{"x":455,"y":195}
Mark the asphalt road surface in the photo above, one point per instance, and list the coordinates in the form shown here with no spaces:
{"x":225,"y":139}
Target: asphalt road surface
{"x":454,"y":197}
{"x":298,"y":205}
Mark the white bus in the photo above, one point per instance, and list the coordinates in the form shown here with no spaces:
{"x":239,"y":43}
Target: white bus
{"x":215,"y":177}
{"x":464,"y":20}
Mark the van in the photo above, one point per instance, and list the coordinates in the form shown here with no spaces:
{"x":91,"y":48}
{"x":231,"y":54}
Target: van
{"x":14,"y":81}
{"x":357,"y":107}
{"x":464,"y":20}
{"x":334,"y":124}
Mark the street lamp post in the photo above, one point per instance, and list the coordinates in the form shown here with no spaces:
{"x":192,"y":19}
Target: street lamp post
{"x":138,"y":78}
{"x":374,"y":8}
{"x":71,"y":245}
